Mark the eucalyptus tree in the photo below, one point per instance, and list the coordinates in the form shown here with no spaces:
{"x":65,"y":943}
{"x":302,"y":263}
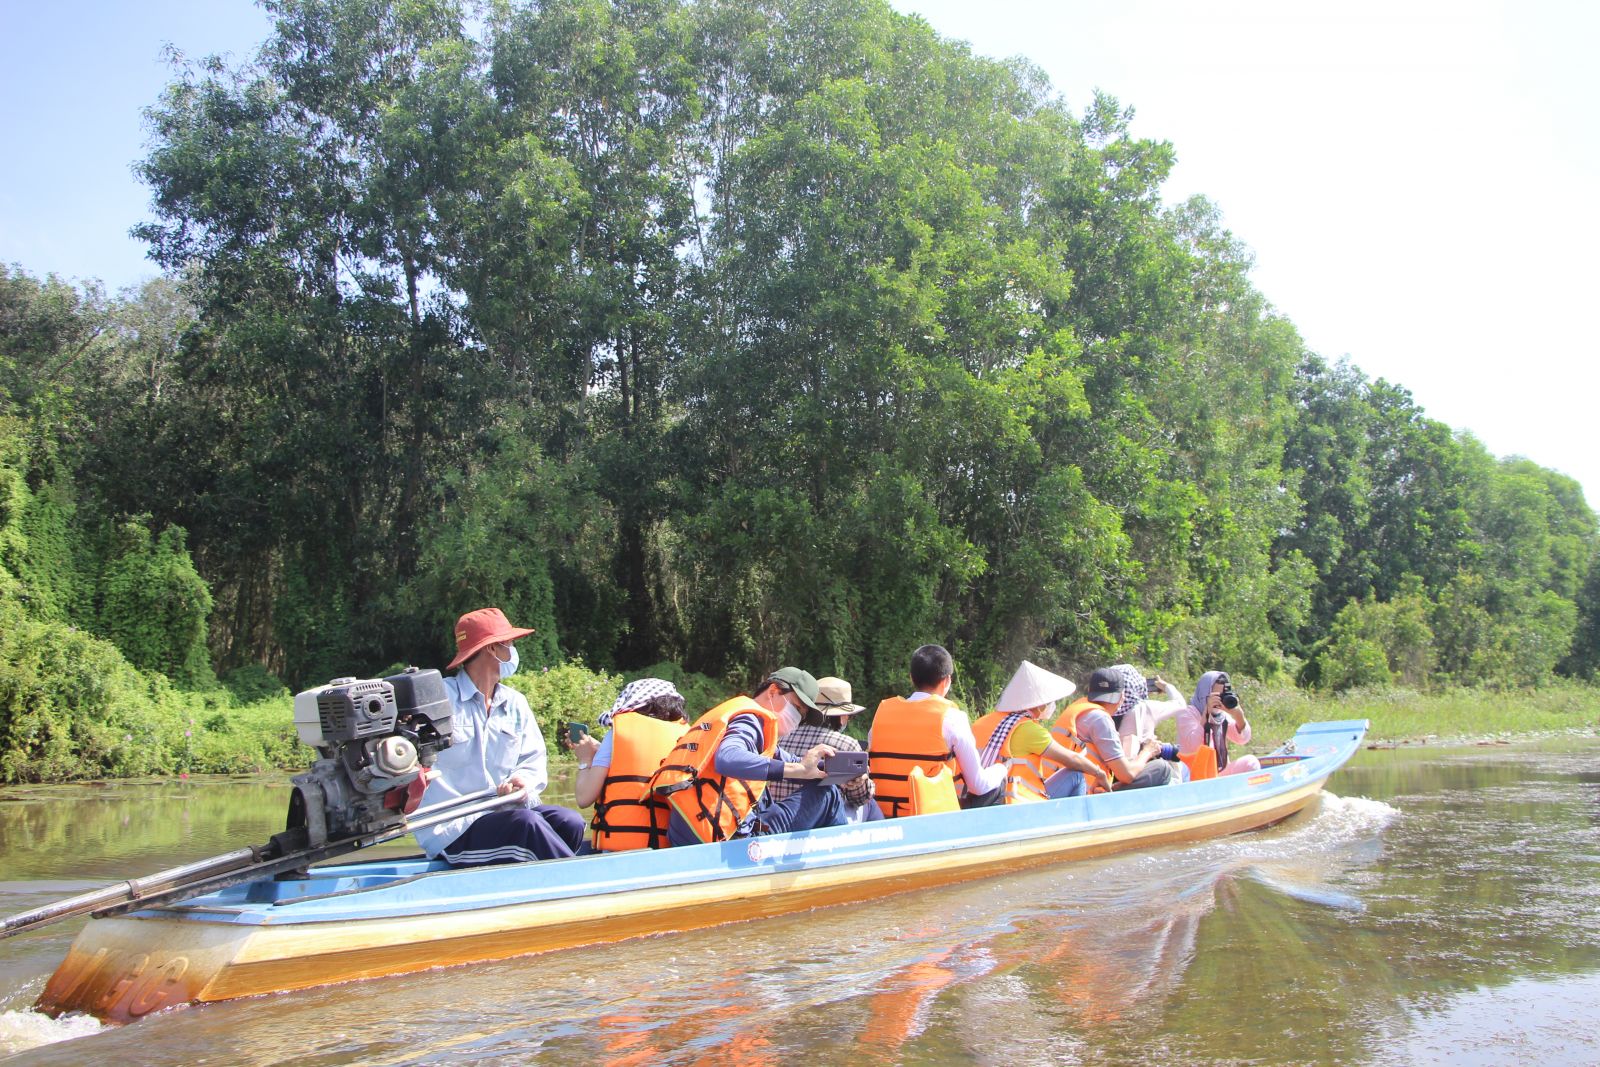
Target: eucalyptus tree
{"x":583,"y":291}
{"x":324,"y":388}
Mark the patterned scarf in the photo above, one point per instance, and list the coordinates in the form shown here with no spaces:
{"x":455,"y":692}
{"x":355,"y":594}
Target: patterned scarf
{"x":1134,"y":687}
{"x":636,"y":694}
{"x":997,"y":740}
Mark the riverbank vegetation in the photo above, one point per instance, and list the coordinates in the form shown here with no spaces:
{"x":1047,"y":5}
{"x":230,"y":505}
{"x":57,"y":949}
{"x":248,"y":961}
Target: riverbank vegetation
{"x":1443,"y":715}
{"x":713,"y":334}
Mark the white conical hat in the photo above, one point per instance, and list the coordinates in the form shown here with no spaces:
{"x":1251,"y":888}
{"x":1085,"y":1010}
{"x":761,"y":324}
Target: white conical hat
{"x":1032,"y":686}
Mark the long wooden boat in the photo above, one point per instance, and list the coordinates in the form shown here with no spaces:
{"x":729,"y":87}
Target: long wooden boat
{"x":364,"y":920}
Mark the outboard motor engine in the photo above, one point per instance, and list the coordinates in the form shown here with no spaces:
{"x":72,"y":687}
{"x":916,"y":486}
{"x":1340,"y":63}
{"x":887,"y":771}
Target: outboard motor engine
{"x":371,"y":736}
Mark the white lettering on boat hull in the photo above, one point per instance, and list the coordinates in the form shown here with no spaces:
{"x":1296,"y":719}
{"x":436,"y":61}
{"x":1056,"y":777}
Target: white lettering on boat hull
{"x":787,"y":847}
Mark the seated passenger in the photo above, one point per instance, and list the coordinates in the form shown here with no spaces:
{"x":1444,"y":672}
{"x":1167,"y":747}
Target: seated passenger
{"x":1013,"y":733}
{"x":1086,"y":727}
{"x":646,"y":721}
{"x":825,"y":727}
{"x":1213,"y":719}
{"x":496,"y":744}
{"x":716,"y":777}
{"x":926,"y":730}
{"x":1139,"y":713}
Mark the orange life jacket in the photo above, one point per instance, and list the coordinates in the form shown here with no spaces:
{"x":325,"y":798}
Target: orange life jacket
{"x":907,"y":734}
{"x":712,"y":804}
{"x":931,"y":794}
{"x":1065,"y":731}
{"x":1202,"y":763}
{"x":627,"y":814}
{"x":1024,"y":780}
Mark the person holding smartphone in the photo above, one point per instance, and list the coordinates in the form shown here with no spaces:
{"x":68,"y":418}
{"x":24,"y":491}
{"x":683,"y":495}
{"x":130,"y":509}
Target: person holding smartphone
{"x":1142,"y":708}
{"x":824,"y":725}
{"x":1212,"y":720}
{"x":735,"y":754}
{"x":644,"y":723}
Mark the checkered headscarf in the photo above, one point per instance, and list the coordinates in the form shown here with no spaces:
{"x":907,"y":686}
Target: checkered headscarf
{"x":1134,"y":687}
{"x":638,"y":693}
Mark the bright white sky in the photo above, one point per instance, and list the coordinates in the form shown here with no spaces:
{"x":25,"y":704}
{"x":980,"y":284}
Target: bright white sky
{"x":1417,"y":178}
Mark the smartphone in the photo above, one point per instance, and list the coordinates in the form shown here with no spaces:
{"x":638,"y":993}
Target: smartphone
{"x":843,"y":766}
{"x":576,"y":731}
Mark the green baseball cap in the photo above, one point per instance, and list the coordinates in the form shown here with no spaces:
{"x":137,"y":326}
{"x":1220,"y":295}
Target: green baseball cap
{"x":800,"y":683}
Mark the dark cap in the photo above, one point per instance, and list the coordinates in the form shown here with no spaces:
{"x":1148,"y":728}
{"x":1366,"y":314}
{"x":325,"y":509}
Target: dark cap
{"x":800,"y":682}
{"x":1104,"y":683}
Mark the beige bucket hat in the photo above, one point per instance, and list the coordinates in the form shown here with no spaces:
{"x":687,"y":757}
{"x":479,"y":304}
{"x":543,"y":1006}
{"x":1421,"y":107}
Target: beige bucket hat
{"x":1032,"y":686}
{"x":833,"y":697}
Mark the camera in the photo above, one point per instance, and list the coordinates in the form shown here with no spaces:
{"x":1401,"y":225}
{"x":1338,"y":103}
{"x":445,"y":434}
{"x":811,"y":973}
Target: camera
{"x":1230,"y":699}
{"x":371,"y":735}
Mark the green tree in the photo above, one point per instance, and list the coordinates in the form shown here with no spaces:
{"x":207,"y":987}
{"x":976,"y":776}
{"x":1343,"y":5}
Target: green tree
{"x":153,"y":605}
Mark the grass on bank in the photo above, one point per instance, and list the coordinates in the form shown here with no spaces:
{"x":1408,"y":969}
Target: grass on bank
{"x":1408,"y":716}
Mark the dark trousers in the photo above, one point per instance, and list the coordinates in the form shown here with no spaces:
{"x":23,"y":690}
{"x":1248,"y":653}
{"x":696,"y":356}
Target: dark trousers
{"x":1156,"y":772}
{"x":812,"y":805}
{"x":997,"y":795}
{"x":515,"y":835}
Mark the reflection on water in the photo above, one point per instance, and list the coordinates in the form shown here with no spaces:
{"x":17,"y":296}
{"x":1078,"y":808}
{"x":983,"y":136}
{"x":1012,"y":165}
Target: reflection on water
{"x":1402,"y":919}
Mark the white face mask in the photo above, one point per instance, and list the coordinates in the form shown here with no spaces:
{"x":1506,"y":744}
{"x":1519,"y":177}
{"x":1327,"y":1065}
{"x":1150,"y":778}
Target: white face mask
{"x":788,"y":719}
{"x":508,"y":666}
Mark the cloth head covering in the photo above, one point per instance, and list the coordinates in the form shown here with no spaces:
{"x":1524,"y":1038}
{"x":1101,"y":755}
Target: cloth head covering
{"x":636,"y":694}
{"x":1202,"y":689}
{"x":1032,"y":686}
{"x":1134,"y":687}
{"x":833,"y":695}
{"x":1213,"y":735}
{"x":479,"y":629}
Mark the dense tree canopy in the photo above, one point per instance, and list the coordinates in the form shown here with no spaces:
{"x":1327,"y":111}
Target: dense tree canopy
{"x":730,"y":334}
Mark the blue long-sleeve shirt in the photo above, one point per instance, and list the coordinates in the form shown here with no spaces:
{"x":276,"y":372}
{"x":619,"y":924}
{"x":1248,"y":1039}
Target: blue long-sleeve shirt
{"x":738,"y":756}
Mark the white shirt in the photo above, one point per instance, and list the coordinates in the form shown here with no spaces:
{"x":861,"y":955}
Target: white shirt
{"x":487,"y":745}
{"x":957,"y":732}
{"x":1139,"y":722}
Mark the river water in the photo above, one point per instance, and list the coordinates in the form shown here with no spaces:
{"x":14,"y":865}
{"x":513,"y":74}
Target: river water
{"x":1436,"y":905}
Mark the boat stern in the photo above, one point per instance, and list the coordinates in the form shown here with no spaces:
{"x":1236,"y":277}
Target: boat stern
{"x":122,"y":969}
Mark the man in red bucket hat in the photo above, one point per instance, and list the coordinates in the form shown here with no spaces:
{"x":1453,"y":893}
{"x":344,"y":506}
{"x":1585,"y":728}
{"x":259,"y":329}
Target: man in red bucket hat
{"x":496,"y":745}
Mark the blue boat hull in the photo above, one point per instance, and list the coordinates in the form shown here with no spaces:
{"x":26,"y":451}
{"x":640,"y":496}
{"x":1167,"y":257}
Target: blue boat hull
{"x":368,"y":919}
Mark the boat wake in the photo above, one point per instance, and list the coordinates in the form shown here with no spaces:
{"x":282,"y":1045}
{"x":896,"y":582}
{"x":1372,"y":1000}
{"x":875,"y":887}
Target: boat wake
{"x":24,"y":1030}
{"x":1301,"y":857}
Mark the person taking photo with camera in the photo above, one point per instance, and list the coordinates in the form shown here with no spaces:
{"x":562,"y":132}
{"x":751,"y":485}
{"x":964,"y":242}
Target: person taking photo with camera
{"x":1212,"y":720}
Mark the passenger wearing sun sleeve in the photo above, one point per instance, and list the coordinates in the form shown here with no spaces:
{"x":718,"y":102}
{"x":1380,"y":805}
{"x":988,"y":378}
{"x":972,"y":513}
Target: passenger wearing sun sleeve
{"x":716,"y":779}
{"x":1142,"y":709}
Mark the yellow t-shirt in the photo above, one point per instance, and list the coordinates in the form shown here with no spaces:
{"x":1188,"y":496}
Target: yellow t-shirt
{"x":1029,"y":738}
